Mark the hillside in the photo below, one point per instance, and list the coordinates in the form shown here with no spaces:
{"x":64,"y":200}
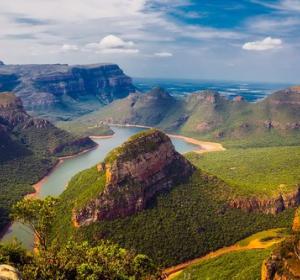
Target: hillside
{"x":262,"y":178}
{"x":60,"y":91}
{"x":29,"y":148}
{"x":208,"y":115}
{"x":179,"y":218}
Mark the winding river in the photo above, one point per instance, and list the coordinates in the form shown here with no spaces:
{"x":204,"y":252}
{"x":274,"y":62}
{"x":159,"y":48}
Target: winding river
{"x":55,"y":183}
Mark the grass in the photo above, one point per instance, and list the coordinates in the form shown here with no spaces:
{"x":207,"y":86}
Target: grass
{"x":264,"y":236}
{"x":82,"y":129}
{"x":237,"y":265}
{"x":254,"y":171}
{"x":132,"y":147}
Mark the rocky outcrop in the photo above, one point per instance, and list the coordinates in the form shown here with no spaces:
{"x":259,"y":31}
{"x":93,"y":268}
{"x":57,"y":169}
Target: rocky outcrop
{"x":46,"y":86}
{"x":135,"y":173}
{"x":12,"y":112}
{"x":284,"y":262}
{"x":19,"y":129}
{"x":8,"y":272}
{"x":273,"y":205}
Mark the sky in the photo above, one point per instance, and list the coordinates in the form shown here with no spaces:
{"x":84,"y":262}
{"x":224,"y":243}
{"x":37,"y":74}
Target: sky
{"x":252,"y":40}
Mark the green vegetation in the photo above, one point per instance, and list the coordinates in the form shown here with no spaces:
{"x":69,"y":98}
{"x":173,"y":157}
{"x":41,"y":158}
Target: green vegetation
{"x":265,"y":171}
{"x":73,"y":260}
{"x":186,"y":223}
{"x":131,"y":148}
{"x":265,"y":236}
{"x":87,"y":184}
{"x":38,"y":215}
{"x":83,"y":129}
{"x":237,"y":265}
{"x":208,"y":115}
{"x":29,"y":148}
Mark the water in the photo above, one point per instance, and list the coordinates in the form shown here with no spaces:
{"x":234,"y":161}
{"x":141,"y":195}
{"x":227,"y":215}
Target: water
{"x":251,"y":91}
{"x":59,"y":178}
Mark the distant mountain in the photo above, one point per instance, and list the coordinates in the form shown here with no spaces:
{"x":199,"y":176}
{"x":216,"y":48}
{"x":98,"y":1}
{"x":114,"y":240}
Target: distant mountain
{"x":146,"y":109}
{"x":29,"y":148}
{"x":64,"y":90}
{"x":209,"y":115}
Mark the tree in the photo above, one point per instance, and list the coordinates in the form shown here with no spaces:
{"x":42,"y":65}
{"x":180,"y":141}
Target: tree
{"x":38,"y":215}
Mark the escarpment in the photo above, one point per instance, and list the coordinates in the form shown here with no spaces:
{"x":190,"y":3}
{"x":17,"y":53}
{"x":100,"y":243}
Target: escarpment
{"x":145,"y":165}
{"x":64,"y":87}
{"x":19,"y":129}
{"x":272,"y":205}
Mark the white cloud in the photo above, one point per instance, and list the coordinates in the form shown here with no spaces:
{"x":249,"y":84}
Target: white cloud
{"x":283,"y":5}
{"x":163,"y":54}
{"x":67,"y":47}
{"x":113,"y":44}
{"x":268,"y":43}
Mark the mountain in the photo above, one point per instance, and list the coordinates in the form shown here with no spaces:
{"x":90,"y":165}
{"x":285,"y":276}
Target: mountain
{"x":63,"y":89}
{"x":29,"y":148}
{"x":147,"y":197}
{"x":134,"y":174}
{"x":145,"y":109}
{"x":209,"y":115}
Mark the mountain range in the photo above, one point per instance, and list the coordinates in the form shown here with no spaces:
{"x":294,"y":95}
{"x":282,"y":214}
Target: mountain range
{"x":209,"y":115}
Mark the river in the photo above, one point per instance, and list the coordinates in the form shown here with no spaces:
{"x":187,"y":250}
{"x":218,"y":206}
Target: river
{"x":56,"y":182}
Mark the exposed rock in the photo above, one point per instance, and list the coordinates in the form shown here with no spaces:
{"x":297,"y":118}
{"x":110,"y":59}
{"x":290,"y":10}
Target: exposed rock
{"x":12,"y":112}
{"x":14,"y":120}
{"x":284,"y":263}
{"x":239,"y":98}
{"x":43,"y":86}
{"x":1,"y":63}
{"x":135,"y":173}
{"x":273,"y":205}
{"x":8,"y":272}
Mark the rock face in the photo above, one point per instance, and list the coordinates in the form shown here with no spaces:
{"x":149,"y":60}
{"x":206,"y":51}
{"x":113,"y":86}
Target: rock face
{"x":8,"y":272}
{"x":135,"y":173}
{"x":46,"y":86}
{"x":267,"y":205}
{"x":284,"y":262}
{"x":19,"y":130}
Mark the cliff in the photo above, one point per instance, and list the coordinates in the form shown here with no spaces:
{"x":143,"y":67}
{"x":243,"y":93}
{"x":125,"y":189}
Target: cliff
{"x":21,"y":132}
{"x":64,"y":87}
{"x":284,"y":262}
{"x":271,"y":205}
{"x":147,"y":164}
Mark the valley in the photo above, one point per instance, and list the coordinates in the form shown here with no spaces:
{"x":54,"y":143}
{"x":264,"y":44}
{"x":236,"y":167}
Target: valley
{"x":55,"y":183}
{"x":213,"y":183}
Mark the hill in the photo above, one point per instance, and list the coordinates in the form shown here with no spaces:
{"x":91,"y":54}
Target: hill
{"x":185,"y":220}
{"x":29,"y":148}
{"x":60,"y":91}
{"x":262,"y":178}
{"x":208,"y":115}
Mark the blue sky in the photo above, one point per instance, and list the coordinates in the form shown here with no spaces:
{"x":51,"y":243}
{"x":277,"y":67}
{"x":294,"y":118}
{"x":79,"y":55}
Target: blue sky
{"x":252,"y":40}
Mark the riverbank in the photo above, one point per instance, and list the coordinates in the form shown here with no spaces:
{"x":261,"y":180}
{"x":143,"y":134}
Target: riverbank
{"x":37,"y":186}
{"x":204,"y":146}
